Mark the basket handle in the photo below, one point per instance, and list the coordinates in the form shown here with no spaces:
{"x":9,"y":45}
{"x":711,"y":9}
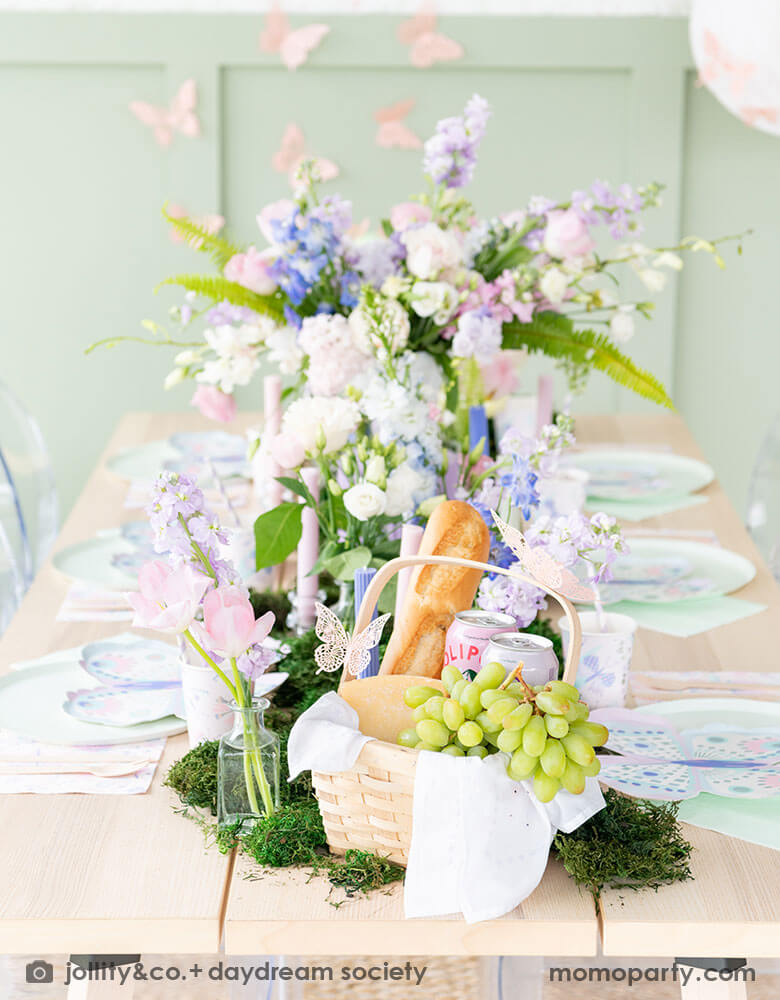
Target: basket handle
{"x":388,"y":571}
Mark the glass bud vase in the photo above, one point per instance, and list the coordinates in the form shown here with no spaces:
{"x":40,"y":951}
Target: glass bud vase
{"x":247,"y":768}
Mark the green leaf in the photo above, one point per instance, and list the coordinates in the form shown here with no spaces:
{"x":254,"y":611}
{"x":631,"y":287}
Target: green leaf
{"x":386,"y":603}
{"x":219,"y":289}
{"x":343,"y":565}
{"x":277,"y":533}
{"x":217,"y":247}
{"x":554,"y":334}
{"x":297,"y":487}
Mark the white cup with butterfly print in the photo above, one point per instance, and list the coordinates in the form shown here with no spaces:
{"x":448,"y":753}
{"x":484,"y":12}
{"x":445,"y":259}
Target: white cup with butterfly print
{"x":605,"y":658}
{"x":207,"y":701}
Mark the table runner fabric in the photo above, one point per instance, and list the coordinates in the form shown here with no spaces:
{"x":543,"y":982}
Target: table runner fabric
{"x":480,"y":841}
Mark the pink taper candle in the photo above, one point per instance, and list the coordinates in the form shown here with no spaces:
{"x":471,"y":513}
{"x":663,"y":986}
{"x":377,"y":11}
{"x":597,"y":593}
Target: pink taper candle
{"x":544,"y":401}
{"x":272,"y":408}
{"x":411,"y":536}
{"x":308,"y":552}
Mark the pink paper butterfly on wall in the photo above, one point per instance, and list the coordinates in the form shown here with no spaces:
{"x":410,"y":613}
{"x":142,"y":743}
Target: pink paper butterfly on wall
{"x":393,"y":132}
{"x":211,"y":223}
{"x":426,"y":45}
{"x":180,"y":116}
{"x":751,"y":115}
{"x":293,"y":47}
{"x":293,"y":150}
{"x":338,"y":648}
{"x":719,"y":62}
{"x":541,"y":566}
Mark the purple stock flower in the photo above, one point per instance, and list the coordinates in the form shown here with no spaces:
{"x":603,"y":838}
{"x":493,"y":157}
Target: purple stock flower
{"x":255,"y":661}
{"x":451,"y":153}
{"x":478,"y":335}
{"x":185,"y":529}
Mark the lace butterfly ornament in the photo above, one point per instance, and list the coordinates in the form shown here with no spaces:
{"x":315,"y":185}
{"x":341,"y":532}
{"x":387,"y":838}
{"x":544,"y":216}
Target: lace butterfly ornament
{"x":293,"y":47}
{"x":427,"y":45}
{"x":339,"y":648}
{"x":181,"y":115}
{"x":541,"y":566}
{"x":393,"y":132}
{"x":292,"y":151}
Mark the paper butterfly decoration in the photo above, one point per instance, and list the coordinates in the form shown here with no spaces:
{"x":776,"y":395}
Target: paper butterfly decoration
{"x":294,"y":47}
{"x":211,"y":223}
{"x":393,"y":132}
{"x":751,"y":115}
{"x":292,"y":150}
{"x":541,"y":566}
{"x":338,"y":648}
{"x":657,"y":761}
{"x":358,"y":229}
{"x":718,"y":62}
{"x":179,"y":117}
{"x":426,"y":45}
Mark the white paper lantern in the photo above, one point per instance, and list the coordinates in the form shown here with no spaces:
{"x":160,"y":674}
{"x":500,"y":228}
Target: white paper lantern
{"x":736,"y":48}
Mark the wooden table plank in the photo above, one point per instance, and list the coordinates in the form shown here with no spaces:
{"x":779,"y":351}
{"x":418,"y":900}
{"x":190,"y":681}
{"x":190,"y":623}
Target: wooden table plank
{"x":102,"y":873}
{"x":273,"y":912}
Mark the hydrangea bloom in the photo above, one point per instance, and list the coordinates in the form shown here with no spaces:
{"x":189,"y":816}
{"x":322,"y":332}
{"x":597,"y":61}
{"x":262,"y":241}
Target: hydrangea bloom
{"x":512,"y":597}
{"x":478,"y":335}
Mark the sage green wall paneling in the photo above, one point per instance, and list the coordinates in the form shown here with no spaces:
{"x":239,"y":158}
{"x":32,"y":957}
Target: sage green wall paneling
{"x":82,"y":183}
{"x":728,"y":358}
{"x":83,"y":246}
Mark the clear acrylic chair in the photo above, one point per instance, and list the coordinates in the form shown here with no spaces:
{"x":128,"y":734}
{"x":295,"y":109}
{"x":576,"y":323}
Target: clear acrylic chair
{"x":12,"y":585}
{"x":763,"y":516}
{"x":29,"y":509}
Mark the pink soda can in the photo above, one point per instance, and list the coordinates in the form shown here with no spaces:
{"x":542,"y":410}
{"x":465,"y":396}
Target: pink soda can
{"x":469,"y":635}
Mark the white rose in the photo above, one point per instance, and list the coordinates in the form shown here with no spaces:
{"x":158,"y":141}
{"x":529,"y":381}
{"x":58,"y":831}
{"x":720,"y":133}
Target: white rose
{"x":364,"y":501}
{"x":622,"y":326}
{"x":431,"y":250}
{"x":553,"y":285}
{"x":335,"y":417}
{"x":652,"y":279}
{"x":434,"y":297}
{"x":376,"y":470}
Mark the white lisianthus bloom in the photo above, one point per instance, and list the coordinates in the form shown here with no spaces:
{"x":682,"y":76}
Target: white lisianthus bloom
{"x":376,"y":470}
{"x":311,"y":417}
{"x":669,"y":259}
{"x":622,"y":325}
{"x":654,"y":280}
{"x":553,"y":285}
{"x":431,"y":250}
{"x":393,"y":286}
{"x":174,"y":378}
{"x":429,"y":298}
{"x":364,"y":501}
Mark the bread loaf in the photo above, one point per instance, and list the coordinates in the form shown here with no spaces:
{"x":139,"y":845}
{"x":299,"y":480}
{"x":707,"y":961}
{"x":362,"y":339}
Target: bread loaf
{"x":435,"y":593}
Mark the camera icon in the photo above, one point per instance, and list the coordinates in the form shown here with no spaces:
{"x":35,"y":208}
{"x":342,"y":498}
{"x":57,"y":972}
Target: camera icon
{"x":39,"y":972}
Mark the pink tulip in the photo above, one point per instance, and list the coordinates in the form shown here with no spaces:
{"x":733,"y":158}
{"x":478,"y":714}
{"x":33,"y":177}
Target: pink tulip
{"x":409,"y":213}
{"x":214,"y":404}
{"x":229,"y":626}
{"x":286,"y":450}
{"x":169,"y":598}
{"x":252,"y":270}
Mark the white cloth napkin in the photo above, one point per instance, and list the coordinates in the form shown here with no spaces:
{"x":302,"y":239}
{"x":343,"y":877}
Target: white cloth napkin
{"x":480,"y":841}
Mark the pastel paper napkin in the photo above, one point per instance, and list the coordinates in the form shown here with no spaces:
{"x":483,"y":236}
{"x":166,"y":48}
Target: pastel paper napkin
{"x":687,"y":618}
{"x":86,"y":603}
{"x":754,"y":820}
{"x":639,"y":510}
{"x":652,"y":686}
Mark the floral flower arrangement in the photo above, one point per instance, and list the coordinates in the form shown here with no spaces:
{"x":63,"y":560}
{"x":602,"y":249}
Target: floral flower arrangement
{"x":328,"y":305}
{"x":197,"y":595}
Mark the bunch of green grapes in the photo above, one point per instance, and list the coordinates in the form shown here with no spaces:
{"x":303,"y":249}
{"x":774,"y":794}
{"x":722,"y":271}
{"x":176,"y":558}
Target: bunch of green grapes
{"x":545,"y":729}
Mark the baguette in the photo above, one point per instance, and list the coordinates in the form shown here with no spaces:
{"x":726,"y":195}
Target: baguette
{"x":436,"y":593}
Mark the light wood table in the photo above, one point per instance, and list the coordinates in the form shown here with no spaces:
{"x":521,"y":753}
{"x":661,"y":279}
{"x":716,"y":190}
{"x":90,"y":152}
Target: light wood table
{"x":103,"y":874}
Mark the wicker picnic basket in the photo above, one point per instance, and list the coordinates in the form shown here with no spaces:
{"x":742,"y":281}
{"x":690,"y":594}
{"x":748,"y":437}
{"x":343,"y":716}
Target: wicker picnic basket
{"x":369,"y":807}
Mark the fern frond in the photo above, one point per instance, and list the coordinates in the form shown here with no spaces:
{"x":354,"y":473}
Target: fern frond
{"x":554,"y":334}
{"x":194,"y":235}
{"x":219,"y":289}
